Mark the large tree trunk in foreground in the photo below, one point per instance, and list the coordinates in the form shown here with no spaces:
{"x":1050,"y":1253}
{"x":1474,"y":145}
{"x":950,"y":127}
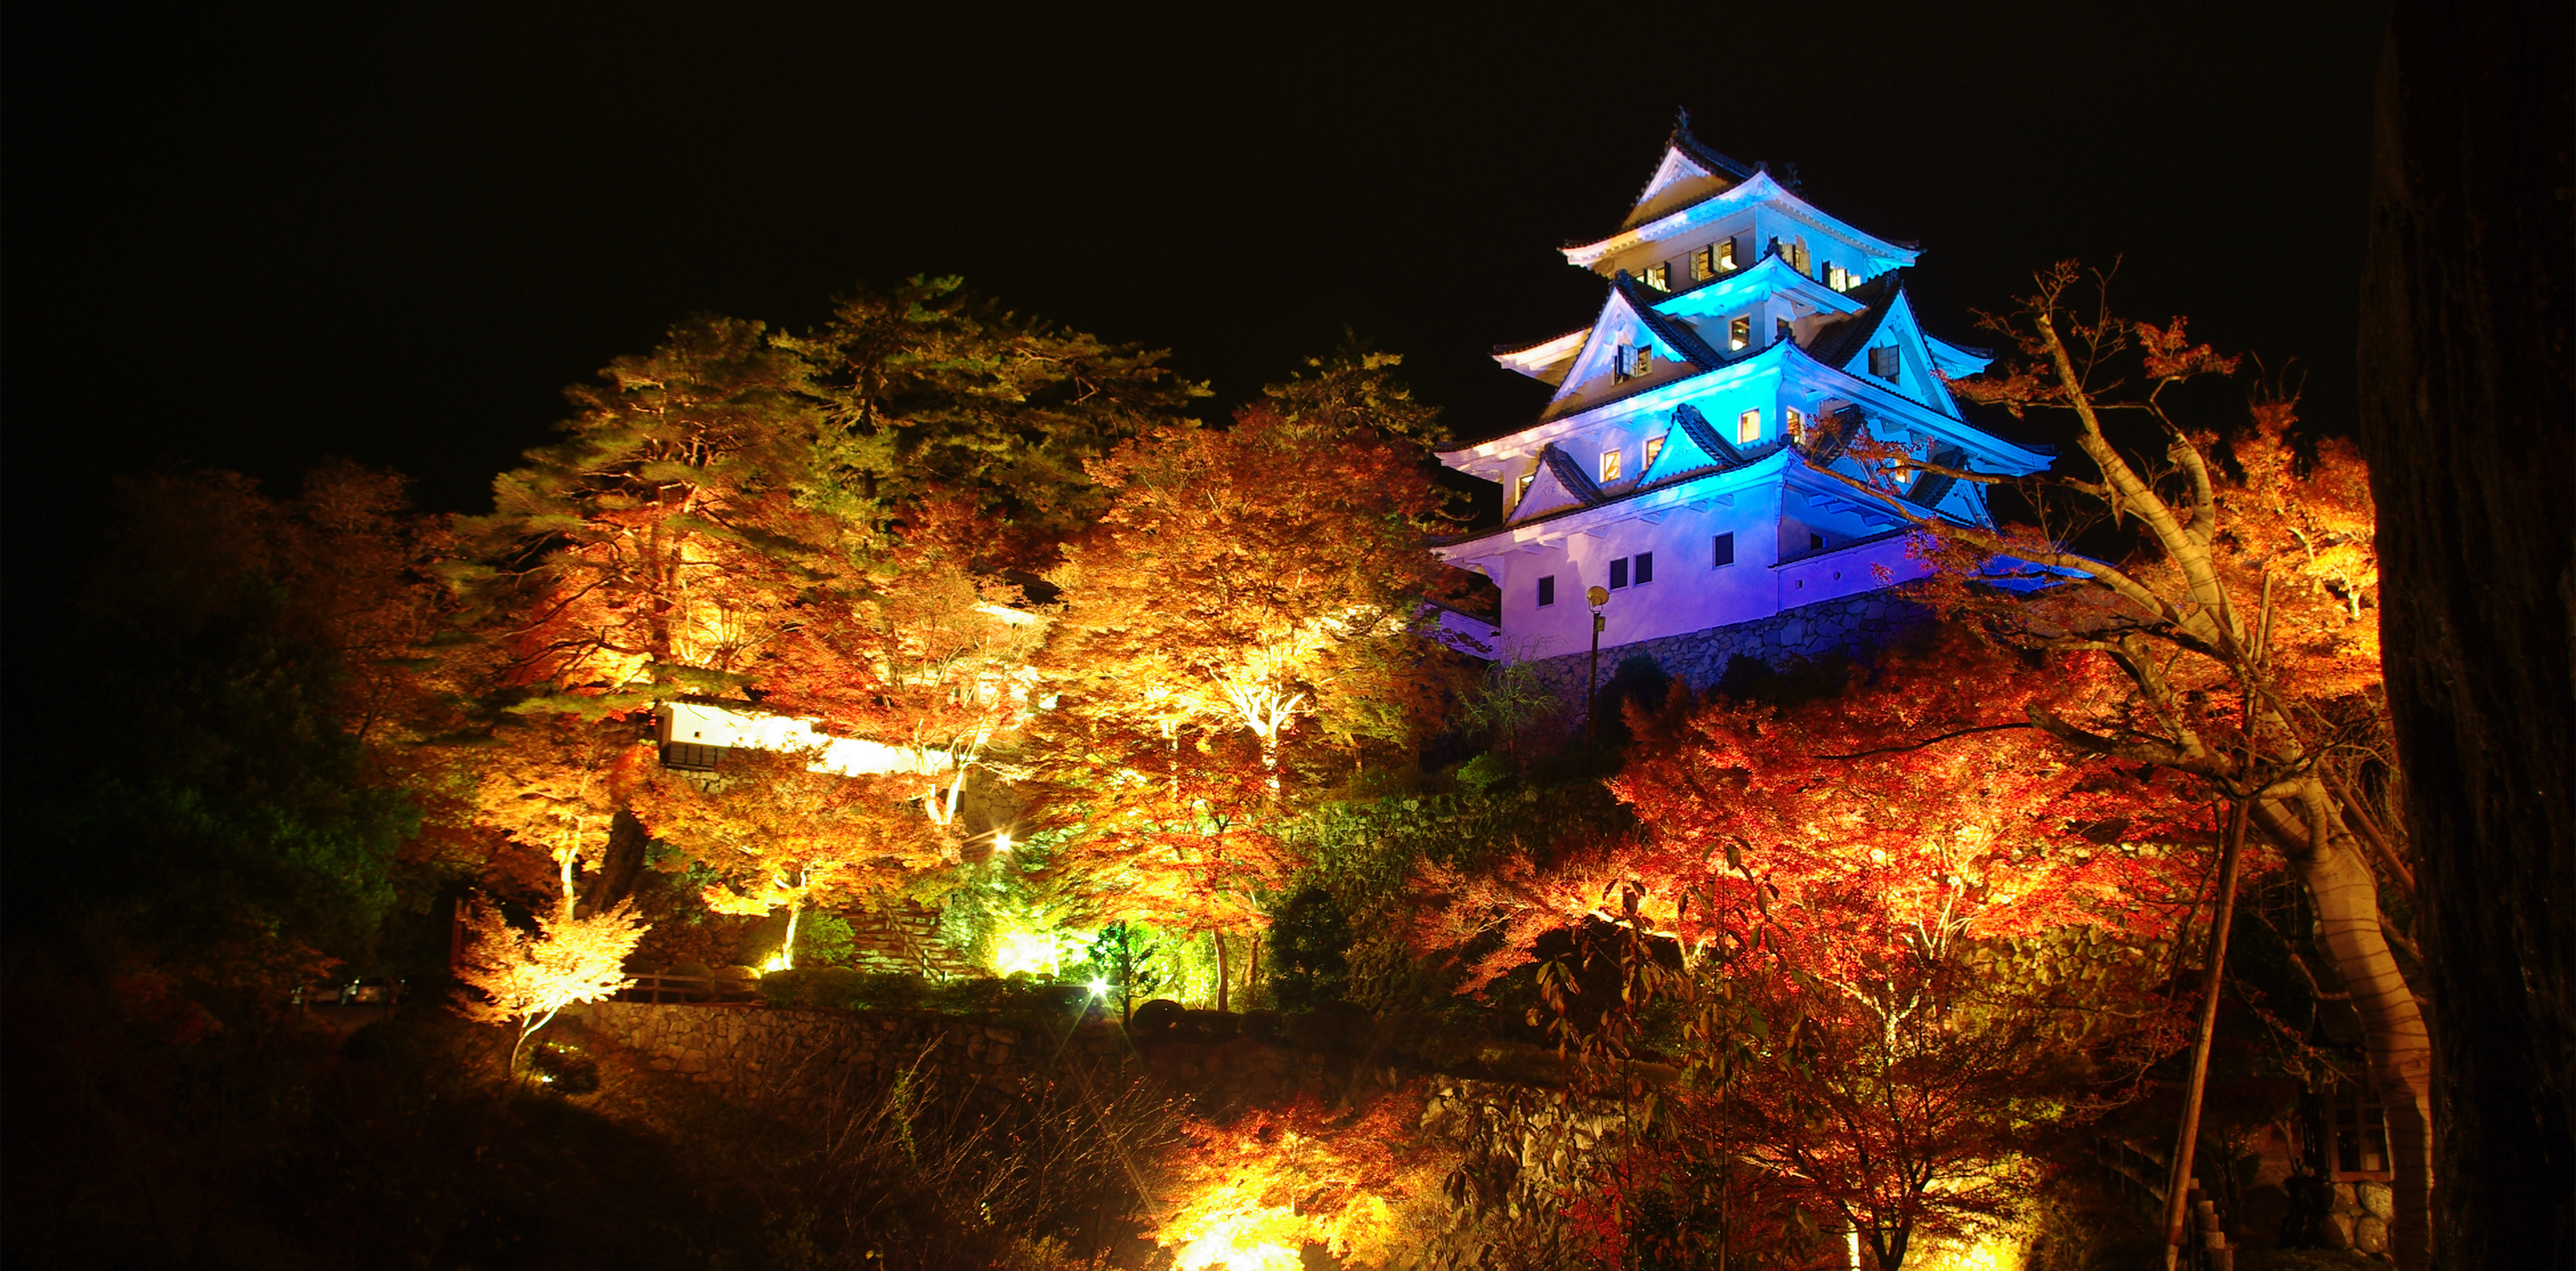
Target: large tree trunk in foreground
{"x":2396,"y":1044}
{"x":2468,"y":399}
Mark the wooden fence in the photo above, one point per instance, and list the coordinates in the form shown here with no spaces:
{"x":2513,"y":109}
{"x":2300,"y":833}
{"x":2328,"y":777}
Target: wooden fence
{"x":689,"y":988}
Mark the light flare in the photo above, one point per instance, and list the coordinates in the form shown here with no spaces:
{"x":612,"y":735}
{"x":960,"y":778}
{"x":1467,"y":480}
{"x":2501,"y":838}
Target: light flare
{"x":1031,"y":951}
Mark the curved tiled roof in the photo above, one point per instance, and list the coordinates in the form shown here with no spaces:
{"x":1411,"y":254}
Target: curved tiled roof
{"x":1672,"y":331}
{"x":1701,"y":152}
{"x":1834,"y":345}
{"x":1570,"y":474}
{"x":1695,"y":426}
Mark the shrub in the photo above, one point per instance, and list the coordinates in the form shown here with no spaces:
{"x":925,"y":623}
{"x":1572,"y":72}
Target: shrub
{"x":561,"y":1068}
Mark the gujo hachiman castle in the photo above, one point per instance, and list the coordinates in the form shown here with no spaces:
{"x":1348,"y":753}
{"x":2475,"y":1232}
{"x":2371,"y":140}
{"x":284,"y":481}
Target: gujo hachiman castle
{"x":1683,"y":464}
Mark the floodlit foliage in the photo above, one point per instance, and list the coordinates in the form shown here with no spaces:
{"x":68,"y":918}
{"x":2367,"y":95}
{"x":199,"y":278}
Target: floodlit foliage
{"x":930,"y":392}
{"x":525,"y":978}
{"x":910,"y":648}
{"x":1833,"y":922}
{"x":2240,"y":626}
{"x":652,"y":545}
{"x":783,"y":834}
{"x":1250,"y":577}
{"x":1171,"y":827}
{"x":1251,"y":1194}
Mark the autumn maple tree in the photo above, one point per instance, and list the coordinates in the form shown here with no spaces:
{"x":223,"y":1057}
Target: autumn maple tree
{"x":1168,"y":825}
{"x":2241,"y":626}
{"x":904,"y":643}
{"x":1864,"y":884}
{"x":1250,"y":577}
{"x":784,"y":832}
{"x":515,"y":976}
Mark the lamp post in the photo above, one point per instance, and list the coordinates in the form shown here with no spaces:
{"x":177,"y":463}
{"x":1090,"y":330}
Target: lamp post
{"x":1592,"y":679}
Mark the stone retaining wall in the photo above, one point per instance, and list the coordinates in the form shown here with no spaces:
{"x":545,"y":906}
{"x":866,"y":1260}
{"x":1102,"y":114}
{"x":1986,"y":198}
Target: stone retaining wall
{"x":758,"y":1056}
{"x":1852,"y":625}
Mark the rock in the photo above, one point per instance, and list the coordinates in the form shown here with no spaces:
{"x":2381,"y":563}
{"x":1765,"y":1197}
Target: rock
{"x":2345,"y":1202}
{"x":2337,"y":1231}
{"x":2370,"y":1235}
{"x":1218,"y":1024}
{"x":2378,"y":1201}
{"x":1156,"y":1016}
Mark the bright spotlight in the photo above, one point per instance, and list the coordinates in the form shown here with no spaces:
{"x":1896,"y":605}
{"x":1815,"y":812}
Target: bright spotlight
{"x":1099,"y":987}
{"x":1001,"y":840}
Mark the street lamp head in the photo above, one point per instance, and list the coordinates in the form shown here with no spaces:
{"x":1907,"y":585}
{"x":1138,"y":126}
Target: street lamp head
{"x":1599,"y":596}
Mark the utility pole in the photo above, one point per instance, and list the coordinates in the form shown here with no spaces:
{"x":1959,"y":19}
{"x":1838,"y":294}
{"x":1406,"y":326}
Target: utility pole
{"x":1592,"y":680}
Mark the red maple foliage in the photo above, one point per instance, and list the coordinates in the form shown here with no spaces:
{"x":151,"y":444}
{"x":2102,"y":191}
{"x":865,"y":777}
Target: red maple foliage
{"x":2239,"y":620}
{"x":1938,"y":927}
{"x":1922,"y":794}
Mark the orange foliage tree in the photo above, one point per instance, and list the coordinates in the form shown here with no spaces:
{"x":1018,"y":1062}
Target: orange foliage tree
{"x":553,"y":783}
{"x":1168,"y":826}
{"x":1251,"y":1194}
{"x":904,"y":643}
{"x":655,"y":540}
{"x":1250,"y":577}
{"x":784,"y":834}
{"x":511,"y":976}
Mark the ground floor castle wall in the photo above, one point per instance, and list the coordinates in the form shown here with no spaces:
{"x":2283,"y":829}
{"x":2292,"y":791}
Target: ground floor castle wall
{"x":1852,"y":625}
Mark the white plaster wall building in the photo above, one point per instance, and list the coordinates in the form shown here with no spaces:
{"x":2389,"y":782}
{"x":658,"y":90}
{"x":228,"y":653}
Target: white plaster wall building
{"x":1684,"y":463}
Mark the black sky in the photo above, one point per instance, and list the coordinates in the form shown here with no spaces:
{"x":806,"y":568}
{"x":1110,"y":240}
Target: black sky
{"x":245,"y":237}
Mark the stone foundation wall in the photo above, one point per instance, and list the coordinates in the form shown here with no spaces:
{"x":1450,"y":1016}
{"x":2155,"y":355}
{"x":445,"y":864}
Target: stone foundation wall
{"x":2360,"y":1217}
{"x":1851,"y":625}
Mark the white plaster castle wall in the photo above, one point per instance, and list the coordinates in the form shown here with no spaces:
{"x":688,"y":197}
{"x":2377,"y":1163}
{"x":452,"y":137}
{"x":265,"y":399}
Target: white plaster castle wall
{"x":699,"y":723}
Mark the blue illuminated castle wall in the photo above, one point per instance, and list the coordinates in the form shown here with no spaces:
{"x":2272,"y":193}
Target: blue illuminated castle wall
{"x":1684,"y":462}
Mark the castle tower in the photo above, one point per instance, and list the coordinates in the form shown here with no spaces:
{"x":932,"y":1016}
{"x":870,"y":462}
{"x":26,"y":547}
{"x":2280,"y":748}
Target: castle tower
{"x":1684,"y":463}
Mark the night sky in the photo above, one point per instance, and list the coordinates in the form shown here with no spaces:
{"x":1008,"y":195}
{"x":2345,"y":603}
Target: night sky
{"x":246,"y":238}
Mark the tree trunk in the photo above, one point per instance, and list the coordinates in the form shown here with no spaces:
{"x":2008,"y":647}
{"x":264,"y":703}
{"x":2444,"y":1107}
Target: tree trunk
{"x":1219,"y":937}
{"x":2398,"y":1047}
{"x":2467,"y":393}
{"x":628,"y":841}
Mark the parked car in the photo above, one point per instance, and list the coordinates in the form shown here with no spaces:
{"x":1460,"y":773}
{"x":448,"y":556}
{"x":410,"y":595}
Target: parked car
{"x":372,"y":990}
{"x":316,"y":994}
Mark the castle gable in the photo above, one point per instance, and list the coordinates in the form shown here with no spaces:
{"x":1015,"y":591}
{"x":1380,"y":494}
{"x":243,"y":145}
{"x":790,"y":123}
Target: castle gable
{"x":1629,"y":348}
{"x":1557,"y":484}
{"x":1689,"y":172}
{"x":1884,"y":345}
{"x":1691,"y":449}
